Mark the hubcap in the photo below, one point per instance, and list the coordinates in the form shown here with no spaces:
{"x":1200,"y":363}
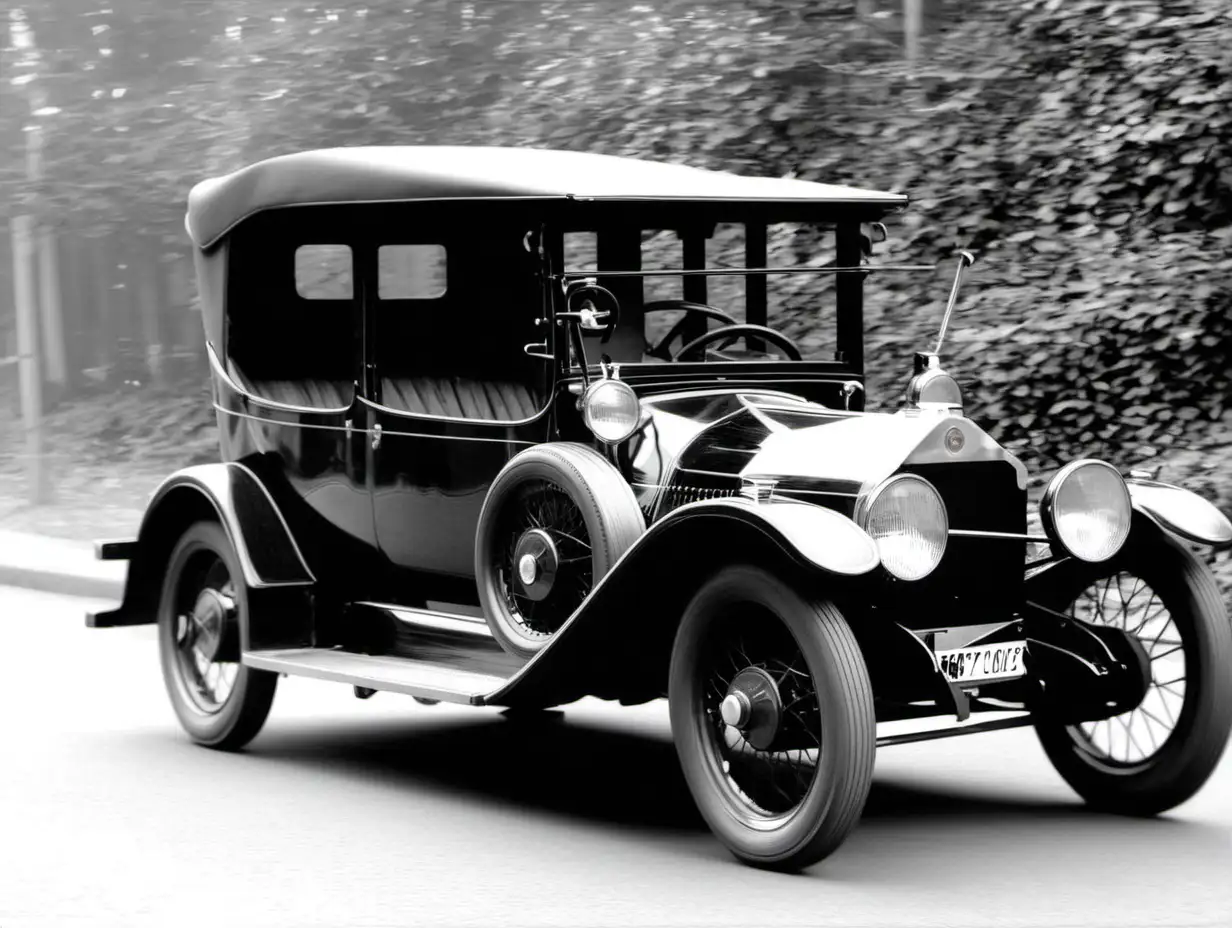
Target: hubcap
{"x":537,"y":561}
{"x":752,"y":706}
{"x":212,"y":610}
{"x":205,"y":628}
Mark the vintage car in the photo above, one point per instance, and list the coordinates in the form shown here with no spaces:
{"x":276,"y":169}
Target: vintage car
{"x":480,"y":444}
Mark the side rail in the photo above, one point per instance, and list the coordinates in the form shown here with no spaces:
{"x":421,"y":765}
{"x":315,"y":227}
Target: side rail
{"x":279,"y":580}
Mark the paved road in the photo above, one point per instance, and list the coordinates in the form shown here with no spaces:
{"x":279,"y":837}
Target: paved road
{"x":385,"y":812}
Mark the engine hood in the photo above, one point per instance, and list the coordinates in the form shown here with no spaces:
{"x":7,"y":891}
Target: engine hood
{"x":705,"y":444}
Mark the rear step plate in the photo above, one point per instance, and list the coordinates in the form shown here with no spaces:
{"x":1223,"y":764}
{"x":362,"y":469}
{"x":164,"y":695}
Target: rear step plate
{"x":413,"y":677}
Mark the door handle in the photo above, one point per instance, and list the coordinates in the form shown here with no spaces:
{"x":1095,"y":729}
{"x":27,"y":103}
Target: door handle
{"x":376,"y":436}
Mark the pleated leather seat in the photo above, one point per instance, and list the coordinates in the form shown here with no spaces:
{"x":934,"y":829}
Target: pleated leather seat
{"x":319,"y":394}
{"x":460,"y":397}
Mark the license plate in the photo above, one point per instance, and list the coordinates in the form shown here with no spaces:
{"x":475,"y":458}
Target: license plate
{"x":1002,"y":661}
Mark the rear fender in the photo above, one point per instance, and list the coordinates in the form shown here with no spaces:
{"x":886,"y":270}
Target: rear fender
{"x":277,"y":577}
{"x":617,"y":645}
{"x":1181,"y":512}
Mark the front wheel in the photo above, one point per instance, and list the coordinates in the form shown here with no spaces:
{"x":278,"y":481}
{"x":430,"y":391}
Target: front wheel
{"x":219,"y":702}
{"x":1158,"y":754}
{"x":772,"y":715}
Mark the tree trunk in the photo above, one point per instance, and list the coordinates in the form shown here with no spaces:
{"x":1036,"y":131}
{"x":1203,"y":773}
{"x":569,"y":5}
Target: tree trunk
{"x":26,"y":301}
{"x":51,"y":314}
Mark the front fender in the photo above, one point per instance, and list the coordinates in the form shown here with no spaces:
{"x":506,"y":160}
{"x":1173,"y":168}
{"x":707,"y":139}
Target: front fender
{"x":618,"y":643}
{"x":1179,"y":511}
{"x":230,"y":494}
{"x":821,"y":537}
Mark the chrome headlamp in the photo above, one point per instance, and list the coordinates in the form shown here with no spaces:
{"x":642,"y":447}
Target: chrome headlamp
{"x":611,"y":410}
{"x":1086,"y":510}
{"x":932,"y":387}
{"x":907,"y":519}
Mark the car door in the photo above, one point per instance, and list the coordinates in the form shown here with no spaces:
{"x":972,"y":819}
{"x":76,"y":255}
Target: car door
{"x":453,"y":398}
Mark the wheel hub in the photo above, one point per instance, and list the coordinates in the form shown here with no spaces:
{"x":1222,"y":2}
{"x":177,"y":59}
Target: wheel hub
{"x":211,"y":614}
{"x":536,"y":562}
{"x":753,"y":707}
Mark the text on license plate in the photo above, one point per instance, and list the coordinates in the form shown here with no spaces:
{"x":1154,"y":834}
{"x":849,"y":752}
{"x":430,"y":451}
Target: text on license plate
{"x":1001,"y":661}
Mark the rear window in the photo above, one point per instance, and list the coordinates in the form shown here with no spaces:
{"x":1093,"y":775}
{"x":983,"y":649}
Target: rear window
{"x":411,"y":272}
{"x":323,"y":272}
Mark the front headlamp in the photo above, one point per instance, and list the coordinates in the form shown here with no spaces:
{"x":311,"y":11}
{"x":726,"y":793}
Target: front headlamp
{"x":907,"y":519}
{"x":1086,"y":510}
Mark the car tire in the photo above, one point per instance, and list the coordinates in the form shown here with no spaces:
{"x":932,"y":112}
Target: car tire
{"x":1177,"y":768}
{"x":203,"y":572}
{"x":721,"y":774}
{"x":561,"y":491}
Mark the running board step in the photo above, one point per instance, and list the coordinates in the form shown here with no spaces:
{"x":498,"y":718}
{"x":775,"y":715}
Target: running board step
{"x":426,"y":679}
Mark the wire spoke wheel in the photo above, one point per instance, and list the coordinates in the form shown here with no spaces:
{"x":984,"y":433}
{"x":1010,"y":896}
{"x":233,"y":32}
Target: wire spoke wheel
{"x":205,"y":603}
{"x":556,"y":519}
{"x":772,"y":715}
{"x":1156,"y":755}
{"x":542,"y":506}
{"x":1128,"y":603}
{"x":219,"y":701}
{"x":768,"y":776}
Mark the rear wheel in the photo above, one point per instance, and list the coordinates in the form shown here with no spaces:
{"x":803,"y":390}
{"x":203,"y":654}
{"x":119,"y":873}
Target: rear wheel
{"x":772,"y":714}
{"x":219,"y":702}
{"x":1158,"y":754}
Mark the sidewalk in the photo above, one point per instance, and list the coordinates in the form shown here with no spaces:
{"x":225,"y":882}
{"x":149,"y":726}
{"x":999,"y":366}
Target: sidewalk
{"x":58,"y":565}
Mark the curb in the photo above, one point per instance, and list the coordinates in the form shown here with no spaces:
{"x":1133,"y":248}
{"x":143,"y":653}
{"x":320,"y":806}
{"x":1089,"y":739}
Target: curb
{"x":66,"y":584}
{"x":58,"y":565}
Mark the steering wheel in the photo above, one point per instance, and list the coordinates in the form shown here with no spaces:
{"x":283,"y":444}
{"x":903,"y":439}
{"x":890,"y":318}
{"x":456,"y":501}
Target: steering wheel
{"x":729,"y":333}
{"x":660,"y":350}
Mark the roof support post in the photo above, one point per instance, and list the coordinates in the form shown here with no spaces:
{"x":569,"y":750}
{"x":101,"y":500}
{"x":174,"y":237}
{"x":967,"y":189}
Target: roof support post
{"x":620,"y":249}
{"x":695,"y":289}
{"x":849,"y":290}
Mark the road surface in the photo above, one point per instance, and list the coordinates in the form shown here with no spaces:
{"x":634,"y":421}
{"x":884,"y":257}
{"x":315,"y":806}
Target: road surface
{"x":386,"y":812}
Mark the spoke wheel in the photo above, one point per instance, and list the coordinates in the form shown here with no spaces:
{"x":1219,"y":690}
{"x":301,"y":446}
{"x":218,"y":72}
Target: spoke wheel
{"x":542,"y":511}
{"x":1128,"y":603}
{"x":218,"y":701}
{"x":556,"y":520}
{"x":764,"y":747}
{"x":1159,"y":753}
{"x":772,"y":715}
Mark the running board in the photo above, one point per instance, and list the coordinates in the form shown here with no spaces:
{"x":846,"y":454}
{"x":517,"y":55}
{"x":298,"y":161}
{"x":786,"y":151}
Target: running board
{"x":422,"y":652}
{"x":425,"y":679}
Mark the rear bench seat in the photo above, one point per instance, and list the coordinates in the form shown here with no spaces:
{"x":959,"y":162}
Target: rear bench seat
{"x":461,"y":397}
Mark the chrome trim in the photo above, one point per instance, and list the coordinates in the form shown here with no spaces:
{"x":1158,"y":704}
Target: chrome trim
{"x":217,"y":367}
{"x":1013,"y":536}
{"x":385,"y":432}
{"x":406,"y":414}
{"x":434,"y":619}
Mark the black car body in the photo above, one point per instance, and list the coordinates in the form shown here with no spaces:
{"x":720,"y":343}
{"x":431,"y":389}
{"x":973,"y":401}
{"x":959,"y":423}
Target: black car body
{"x":372,"y":404}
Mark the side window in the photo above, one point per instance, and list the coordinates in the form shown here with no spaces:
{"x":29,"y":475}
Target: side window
{"x":411,"y":272}
{"x":323,"y":272}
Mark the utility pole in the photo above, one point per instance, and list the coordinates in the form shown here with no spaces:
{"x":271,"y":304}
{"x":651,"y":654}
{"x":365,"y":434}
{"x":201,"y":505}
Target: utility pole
{"x":30,"y":375}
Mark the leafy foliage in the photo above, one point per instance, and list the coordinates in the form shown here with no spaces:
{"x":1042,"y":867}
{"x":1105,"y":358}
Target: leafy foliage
{"x":1081,"y":147}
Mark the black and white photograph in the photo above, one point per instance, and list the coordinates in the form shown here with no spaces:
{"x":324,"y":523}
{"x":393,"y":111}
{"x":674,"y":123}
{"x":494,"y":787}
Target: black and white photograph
{"x":615,"y":463}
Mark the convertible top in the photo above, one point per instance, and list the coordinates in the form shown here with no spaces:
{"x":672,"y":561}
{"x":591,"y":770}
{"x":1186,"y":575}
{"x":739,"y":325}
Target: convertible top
{"x":398,"y":173}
